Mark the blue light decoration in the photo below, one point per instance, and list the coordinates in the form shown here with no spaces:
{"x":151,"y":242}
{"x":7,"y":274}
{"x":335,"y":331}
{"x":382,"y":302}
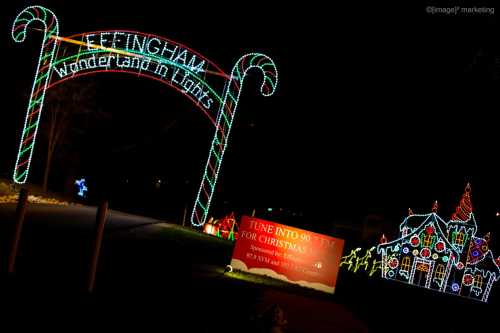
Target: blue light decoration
{"x":82,"y":187}
{"x":442,"y":256}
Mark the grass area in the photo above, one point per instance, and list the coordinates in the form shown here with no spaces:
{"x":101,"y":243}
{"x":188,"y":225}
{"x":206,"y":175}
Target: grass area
{"x":259,"y":279}
{"x":7,"y":187}
{"x":185,"y":236}
{"x":9,"y":193}
{"x":269,"y":282}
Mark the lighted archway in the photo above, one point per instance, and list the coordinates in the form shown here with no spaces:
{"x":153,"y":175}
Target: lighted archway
{"x":146,"y":55}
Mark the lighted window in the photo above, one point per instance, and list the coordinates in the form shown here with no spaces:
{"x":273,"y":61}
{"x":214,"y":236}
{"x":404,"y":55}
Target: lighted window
{"x":478,"y":281}
{"x":459,"y":239}
{"x":427,"y":240}
{"x":405,"y":264}
{"x":439,"y":272}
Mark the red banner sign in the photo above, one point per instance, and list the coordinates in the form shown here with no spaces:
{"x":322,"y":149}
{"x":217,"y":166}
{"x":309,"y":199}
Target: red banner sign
{"x":286,"y":253}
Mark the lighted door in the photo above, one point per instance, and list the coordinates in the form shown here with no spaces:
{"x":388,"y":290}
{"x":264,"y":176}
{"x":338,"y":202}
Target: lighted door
{"x":422,"y":273}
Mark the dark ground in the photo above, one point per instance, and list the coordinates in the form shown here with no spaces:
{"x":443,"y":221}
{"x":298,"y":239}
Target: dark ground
{"x":161,"y":276}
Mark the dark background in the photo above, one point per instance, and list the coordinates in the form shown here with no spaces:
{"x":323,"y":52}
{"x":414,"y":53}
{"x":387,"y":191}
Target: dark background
{"x":378,"y":108}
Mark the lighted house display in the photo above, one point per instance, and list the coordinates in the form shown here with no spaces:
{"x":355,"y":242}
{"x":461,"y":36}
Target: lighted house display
{"x":444,"y":256}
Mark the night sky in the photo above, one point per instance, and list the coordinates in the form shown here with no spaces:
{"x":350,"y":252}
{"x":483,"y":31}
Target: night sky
{"x":378,"y":109}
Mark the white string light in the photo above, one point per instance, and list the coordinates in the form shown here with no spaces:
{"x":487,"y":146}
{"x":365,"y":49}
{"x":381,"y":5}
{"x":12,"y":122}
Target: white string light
{"x":434,"y":243}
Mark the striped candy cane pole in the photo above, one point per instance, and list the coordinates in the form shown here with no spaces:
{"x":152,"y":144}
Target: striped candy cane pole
{"x":42,"y":75}
{"x":224,"y":123}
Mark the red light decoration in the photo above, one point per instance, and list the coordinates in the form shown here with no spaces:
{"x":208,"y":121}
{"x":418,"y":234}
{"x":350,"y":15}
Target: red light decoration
{"x":429,"y":230}
{"x":464,"y":209}
{"x":228,"y":228}
{"x":425,"y":253}
{"x":393,"y":263}
{"x":468,"y":279}
{"x":414,"y":241}
{"x":440,"y":247}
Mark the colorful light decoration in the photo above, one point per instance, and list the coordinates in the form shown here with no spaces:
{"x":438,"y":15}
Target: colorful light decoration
{"x":226,"y":228}
{"x":144,"y":55}
{"x":82,"y":187}
{"x":446,"y":256}
{"x":355,"y":262}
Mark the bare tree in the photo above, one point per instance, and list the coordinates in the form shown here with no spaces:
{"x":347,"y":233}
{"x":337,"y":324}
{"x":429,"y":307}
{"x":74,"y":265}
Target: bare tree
{"x":68,"y":108}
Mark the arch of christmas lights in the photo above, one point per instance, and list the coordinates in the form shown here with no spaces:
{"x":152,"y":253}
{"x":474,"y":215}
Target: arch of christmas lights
{"x":145,"y":55}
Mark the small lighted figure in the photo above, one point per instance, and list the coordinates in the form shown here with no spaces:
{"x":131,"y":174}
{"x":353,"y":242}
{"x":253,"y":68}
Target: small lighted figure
{"x":82,"y":187}
{"x":498,"y":214}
